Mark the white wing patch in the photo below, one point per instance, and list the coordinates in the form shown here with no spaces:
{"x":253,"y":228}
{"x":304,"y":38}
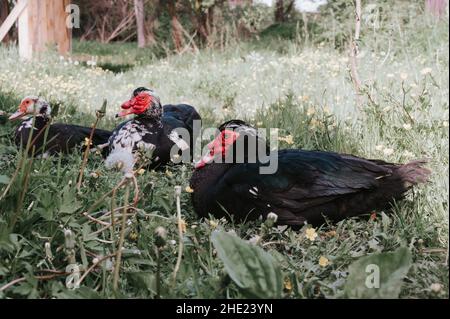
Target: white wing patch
{"x":174,"y":137}
{"x":254,"y":191}
{"x":26,"y":124}
{"x":130,"y":136}
{"x":126,"y":141}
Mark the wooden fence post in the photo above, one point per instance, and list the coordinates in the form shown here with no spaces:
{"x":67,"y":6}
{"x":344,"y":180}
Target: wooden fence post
{"x":42,"y":24}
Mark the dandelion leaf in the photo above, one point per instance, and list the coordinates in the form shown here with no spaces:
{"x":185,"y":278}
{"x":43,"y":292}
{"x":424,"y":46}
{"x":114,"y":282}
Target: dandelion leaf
{"x":253,"y":270}
{"x":379,"y":275}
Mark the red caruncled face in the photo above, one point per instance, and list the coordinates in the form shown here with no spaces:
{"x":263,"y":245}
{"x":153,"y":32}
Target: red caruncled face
{"x":136,"y":105}
{"x":219,"y":145}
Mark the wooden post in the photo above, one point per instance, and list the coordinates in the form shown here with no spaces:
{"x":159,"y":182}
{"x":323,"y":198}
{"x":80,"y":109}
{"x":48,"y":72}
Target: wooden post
{"x":11,"y":18}
{"x":139,"y":12}
{"x":42,"y":24}
{"x":4,"y":12}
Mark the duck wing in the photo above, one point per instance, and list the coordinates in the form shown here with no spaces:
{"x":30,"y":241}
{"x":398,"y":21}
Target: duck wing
{"x":304,"y":180}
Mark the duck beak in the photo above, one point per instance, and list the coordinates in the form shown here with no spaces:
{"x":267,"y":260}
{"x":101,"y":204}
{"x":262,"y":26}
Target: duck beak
{"x":127,"y":108}
{"x":208,"y":158}
{"x":17,"y":115}
{"x":124,"y":113}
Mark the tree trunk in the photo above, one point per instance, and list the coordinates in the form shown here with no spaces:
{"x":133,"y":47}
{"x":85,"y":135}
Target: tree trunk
{"x":4,"y":12}
{"x":140,"y":19}
{"x":177,"y":30}
{"x":202,"y":25}
{"x":152,"y":22}
{"x":279,"y":11}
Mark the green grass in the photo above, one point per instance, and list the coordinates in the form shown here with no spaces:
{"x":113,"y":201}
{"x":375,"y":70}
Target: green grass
{"x":304,"y":91}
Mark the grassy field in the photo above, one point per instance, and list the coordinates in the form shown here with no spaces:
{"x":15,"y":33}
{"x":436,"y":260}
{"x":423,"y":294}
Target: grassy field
{"x":304,"y":90}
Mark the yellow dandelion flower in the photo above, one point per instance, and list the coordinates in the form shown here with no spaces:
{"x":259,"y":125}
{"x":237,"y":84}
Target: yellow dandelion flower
{"x":323,"y":261}
{"x":188,"y":189}
{"x":311,"y":234}
{"x":287,"y":284}
{"x":141,"y":171}
{"x":183,"y":225}
{"x":330,"y":233}
{"x":213,"y":223}
{"x":87,"y":142}
{"x":288,"y":139}
{"x":313,"y":123}
{"x":133,"y":236}
{"x":310,"y":111}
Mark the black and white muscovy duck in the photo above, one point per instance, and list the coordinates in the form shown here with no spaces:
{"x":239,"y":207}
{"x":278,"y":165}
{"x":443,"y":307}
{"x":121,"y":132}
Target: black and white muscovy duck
{"x":61,"y":138}
{"x":306,"y":187}
{"x":155,"y":128}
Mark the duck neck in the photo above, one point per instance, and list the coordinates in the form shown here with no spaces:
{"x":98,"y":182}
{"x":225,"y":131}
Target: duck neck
{"x":209,"y":174}
{"x":40,"y":121}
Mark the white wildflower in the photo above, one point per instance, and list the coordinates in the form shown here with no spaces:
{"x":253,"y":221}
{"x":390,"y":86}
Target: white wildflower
{"x":407,"y":126}
{"x":388,"y":151}
{"x":272,"y":216}
{"x":436,"y":287}
{"x":408,"y":154}
{"x":254,"y":240}
{"x":426,"y":71}
{"x":121,"y":159}
{"x":379,"y":147}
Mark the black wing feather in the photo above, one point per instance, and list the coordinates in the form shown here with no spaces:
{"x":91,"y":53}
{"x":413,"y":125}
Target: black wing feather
{"x":304,"y":179}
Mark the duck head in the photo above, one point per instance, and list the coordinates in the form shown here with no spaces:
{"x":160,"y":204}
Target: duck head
{"x":32,"y":106}
{"x":236,"y":141}
{"x":144,"y":102}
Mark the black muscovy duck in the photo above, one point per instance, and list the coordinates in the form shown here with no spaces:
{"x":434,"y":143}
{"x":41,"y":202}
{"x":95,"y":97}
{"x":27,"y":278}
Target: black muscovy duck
{"x":60,"y":138}
{"x":307,"y":186}
{"x":163,"y":130}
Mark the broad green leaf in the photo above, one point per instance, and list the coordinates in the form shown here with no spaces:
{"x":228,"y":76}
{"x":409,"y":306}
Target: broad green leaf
{"x":379,"y":275}
{"x":255,"y":271}
{"x":4,"y":179}
{"x":143,"y":280}
{"x":69,"y":203}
